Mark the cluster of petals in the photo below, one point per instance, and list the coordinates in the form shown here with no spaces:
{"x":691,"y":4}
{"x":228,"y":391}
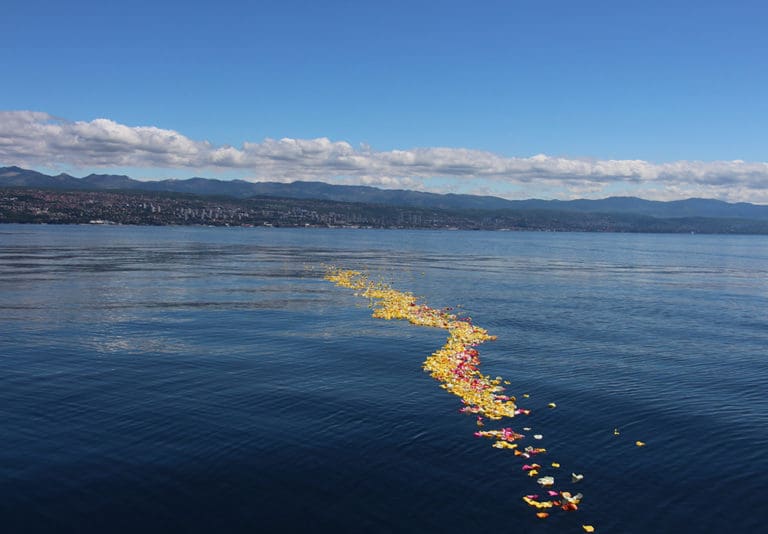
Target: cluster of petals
{"x":456,"y":365}
{"x":563,"y":500}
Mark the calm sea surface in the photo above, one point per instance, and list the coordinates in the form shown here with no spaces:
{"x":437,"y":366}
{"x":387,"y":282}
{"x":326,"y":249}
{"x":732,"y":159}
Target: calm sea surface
{"x":209,"y":380}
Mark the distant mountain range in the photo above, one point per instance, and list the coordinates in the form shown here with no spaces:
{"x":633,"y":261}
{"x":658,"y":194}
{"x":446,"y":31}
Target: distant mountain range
{"x":693,"y":207}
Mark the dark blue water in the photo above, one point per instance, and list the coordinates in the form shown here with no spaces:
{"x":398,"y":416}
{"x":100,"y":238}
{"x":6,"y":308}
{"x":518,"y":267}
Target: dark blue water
{"x":209,"y":380}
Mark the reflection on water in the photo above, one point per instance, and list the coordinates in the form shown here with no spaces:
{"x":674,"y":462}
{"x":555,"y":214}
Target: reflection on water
{"x":195,"y":379}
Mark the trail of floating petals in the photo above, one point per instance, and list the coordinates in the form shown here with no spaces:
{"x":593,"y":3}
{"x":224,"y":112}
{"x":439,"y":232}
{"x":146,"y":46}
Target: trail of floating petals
{"x":456,"y":365}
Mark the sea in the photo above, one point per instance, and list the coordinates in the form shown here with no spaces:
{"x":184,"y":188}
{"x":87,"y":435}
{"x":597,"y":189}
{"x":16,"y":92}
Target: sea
{"x":192,"y":379}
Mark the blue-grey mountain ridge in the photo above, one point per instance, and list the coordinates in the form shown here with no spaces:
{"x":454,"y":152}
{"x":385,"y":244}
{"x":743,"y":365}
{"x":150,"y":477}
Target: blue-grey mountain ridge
{"x":693,"y":207}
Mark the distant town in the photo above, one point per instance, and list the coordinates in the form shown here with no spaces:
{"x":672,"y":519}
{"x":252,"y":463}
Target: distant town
{"x":33,"y":205}
{"x":141,"y":208}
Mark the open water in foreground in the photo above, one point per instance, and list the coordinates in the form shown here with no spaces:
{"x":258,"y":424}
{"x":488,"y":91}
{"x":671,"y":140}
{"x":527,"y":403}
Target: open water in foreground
{"x":209,"y":380}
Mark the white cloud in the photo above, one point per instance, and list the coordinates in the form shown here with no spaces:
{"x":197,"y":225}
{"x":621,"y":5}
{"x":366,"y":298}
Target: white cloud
{"x":32,"y":139}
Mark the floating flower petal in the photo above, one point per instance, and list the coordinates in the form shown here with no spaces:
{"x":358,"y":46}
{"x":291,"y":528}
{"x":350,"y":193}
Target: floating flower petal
{"x":546,"y":481}
{"x":573,"y":499}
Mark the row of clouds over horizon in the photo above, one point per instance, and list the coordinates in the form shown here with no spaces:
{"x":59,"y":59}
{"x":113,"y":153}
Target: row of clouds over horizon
{"x":32,"y":138}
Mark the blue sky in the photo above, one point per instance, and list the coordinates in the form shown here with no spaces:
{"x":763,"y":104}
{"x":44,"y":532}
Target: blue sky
{"x":678,"y":88}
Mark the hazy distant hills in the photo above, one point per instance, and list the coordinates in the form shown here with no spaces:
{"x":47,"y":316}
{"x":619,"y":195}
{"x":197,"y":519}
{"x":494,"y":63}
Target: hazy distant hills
{"x":694,"y":207}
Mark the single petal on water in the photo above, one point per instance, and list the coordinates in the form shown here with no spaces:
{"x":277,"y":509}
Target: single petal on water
{"x":573,"y":499}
